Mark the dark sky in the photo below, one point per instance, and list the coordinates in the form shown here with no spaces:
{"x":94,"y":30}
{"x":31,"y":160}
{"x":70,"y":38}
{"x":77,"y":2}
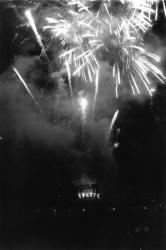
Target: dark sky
{"x":40,"y":157}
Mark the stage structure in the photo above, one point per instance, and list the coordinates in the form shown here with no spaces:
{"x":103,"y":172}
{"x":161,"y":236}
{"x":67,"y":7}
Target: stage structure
{"x":88,"y":192}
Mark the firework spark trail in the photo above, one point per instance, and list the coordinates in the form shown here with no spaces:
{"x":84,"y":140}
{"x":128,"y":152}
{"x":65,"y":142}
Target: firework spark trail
{"x":164,"y":7}
{"x":31,"y":21}
{"x":69,"y":79}
{"x":110,"y":129}
{"x":157,"y":2}
{"x":28,"y":90}
{"x":83,"y":107}
{"x":96,"y":89}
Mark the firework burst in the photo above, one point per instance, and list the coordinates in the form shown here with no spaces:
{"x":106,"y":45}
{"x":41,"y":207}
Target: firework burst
{"x":111,"y":33}
{"x":120,"y":29}
{"x":77,"y":35}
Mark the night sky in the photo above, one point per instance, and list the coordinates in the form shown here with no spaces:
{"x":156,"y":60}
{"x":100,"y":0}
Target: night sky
{"x":41,"y":156}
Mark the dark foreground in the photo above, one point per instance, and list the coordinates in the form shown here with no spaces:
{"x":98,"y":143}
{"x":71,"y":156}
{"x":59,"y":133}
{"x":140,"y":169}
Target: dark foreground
{"x":97,"y":229}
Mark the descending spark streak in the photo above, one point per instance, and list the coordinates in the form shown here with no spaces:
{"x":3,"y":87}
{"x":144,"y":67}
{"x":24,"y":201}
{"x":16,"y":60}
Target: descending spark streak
{"x":27,"y":89}
{"x":69,"y":78}
{"x":157,"y":2}
{"x":30,"y":18}
{"x":96,"y":89}
{"x":164,"y":6}
{"x":115,"y":116}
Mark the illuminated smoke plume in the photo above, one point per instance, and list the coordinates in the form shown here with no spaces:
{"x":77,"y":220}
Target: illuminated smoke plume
{"x":83,"y":108}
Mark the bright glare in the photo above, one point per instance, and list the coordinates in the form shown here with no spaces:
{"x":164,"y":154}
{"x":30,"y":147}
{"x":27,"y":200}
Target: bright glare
{"x":83,"y":103}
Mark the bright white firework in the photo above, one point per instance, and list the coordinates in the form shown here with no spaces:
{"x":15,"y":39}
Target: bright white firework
{"x":119,"y":37}
{"x":127,"y":16}
{"x":77,"y":34}
{"x":113,"y":34}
